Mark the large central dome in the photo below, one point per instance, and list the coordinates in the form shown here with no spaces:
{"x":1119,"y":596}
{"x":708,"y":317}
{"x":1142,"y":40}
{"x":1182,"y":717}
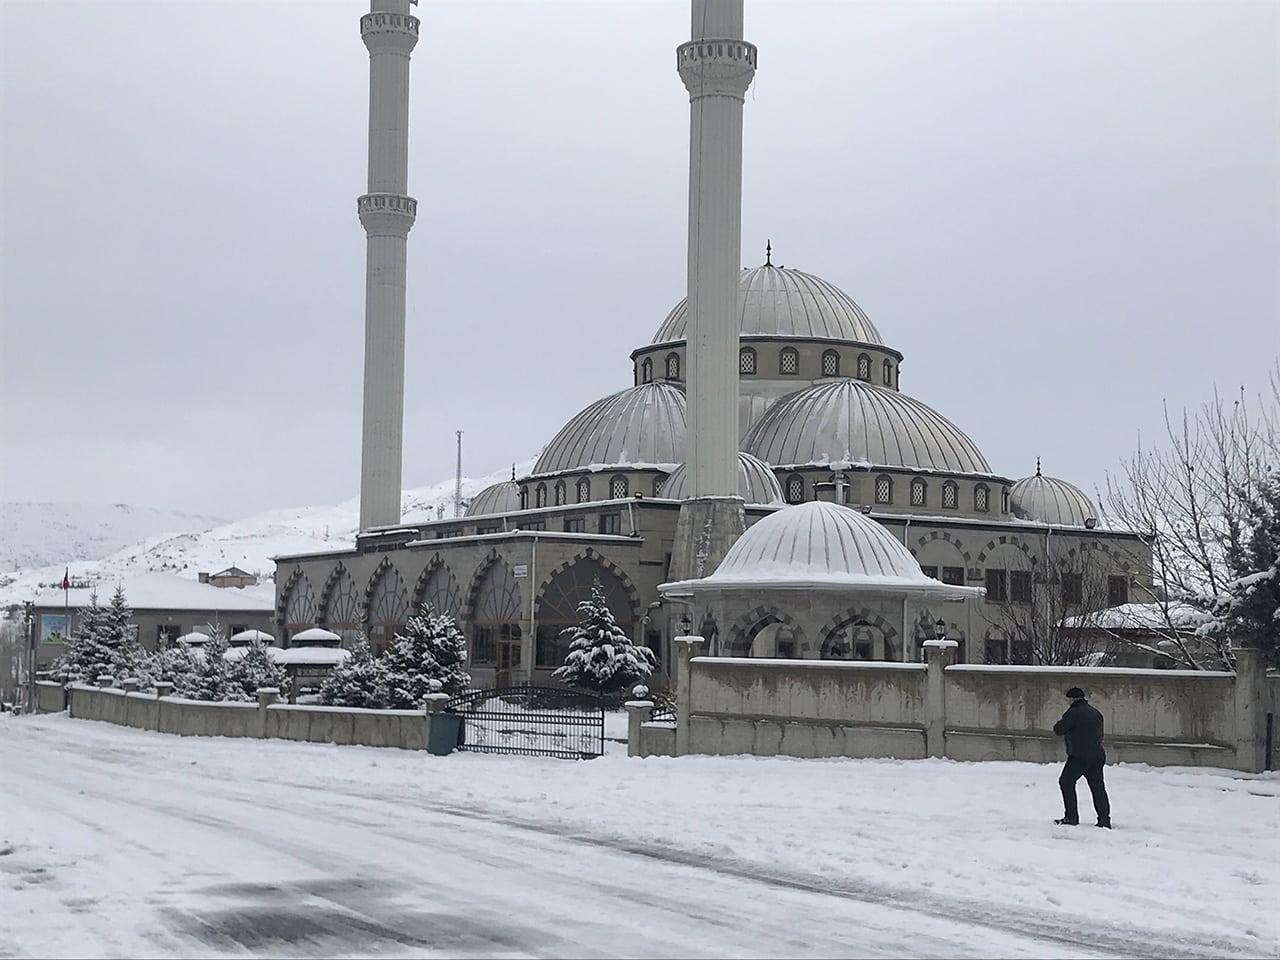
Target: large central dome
{"x":778,"y":302}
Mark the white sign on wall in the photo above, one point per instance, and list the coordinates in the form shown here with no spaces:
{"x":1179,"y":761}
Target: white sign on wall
{"x":520,"y":570}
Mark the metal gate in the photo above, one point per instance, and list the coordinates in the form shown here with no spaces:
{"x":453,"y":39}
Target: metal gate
{"x":533,"y":721}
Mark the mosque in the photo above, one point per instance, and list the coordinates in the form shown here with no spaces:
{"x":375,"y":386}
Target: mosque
{"x":770,"y":397}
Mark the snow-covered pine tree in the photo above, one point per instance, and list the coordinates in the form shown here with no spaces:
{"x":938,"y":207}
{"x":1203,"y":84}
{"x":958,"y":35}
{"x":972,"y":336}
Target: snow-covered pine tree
{"x":86,"y":655}
{"x":118,"y":618}
{"x":362,"y":680}
{"x":212,"y":679}
{"x":174,"y":664}
{"x":430,"y":648}
{"x":1252,"y":604}
{"x":120,"y":634}
{"x":258,"y":668}
{"x":601,"y":656}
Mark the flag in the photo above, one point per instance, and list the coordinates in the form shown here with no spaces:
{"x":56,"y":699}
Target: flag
{"x":66,"y":579}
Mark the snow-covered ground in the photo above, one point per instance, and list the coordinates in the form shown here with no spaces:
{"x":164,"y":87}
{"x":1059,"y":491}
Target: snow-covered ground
{"x":115,"y":842}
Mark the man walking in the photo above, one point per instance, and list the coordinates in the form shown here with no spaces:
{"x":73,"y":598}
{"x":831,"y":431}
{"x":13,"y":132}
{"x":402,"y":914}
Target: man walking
{"x":1081,"y":730}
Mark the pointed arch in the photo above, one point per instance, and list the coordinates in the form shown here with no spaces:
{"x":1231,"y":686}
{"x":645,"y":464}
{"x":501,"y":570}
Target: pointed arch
{"x":860,"y":635}
{"x":767,"y":631}
{"x":386,"y":605}
{"x":494,"y":605}
{"x":438,"y":587}
{"x":568,"y":585}
{"x":298,"y":603}
{"x":341,"y":606}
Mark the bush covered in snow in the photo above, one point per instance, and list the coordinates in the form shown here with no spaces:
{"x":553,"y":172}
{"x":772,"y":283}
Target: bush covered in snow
{"x":362,"y":680}
{"x":431,"y":647}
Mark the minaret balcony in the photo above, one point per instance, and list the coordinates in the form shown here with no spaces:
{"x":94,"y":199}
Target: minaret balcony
{"x":389,"y":32}
{"x":387,"y":213}
{"x":711,"y":68}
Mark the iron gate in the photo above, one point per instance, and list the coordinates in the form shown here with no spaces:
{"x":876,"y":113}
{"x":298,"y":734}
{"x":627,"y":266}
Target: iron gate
{"x":533,"y":721}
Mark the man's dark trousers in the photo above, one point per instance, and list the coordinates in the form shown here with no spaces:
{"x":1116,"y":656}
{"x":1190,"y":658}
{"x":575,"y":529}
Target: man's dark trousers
{"x":1091,"y":769}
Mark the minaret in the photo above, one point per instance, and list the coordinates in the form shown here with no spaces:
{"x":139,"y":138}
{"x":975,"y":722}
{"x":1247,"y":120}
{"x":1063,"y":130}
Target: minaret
{"x":387,"y":214}
{"x":717,"y":67}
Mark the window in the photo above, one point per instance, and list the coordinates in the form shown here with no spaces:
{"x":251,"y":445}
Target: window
{"x":575,"y":525}
{"x":795,"y":488}
{"x":1020,"y":586}
{"x":539,"y":524}
{"x":540,"y":495}
{"x":929,"y":571}
{"x":646,"y":371}
{"x":997,"y":585}
{"x":611,"y":523}
{"x":1004,"y":500}
{"x":953,"y":576}
{"x":789,"y":361}
{"x":524,"y":498}
{"x":1021,"y":652}
{"x":917,"y":492}
{"x":747,"y":361}
{"x":673,"y":366}
{"x":584,"y":490}
{"x":981,"y":498}
{"x":864,"y":367}
{"x":482,"y":649}
{"x":560,"y":493}
{"x":658,"y":484}
{"x":884,"y":490}
{"x":166,"y":634}
{"x":888,"y":373}
{"x":1072,"y":588}
{"x":950,"y":495}
{"x":618,"y":488}
{"x":997,"y":651}
{"x":481,"y":531}
{"x":1117,"y":591}
{"x":830,"y":363}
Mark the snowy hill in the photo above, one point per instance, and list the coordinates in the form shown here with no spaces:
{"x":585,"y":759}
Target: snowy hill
{"x":249,"y":544}
{"x":46,"y":534}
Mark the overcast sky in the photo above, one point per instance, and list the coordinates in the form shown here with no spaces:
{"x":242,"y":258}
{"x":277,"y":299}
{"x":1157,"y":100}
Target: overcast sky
{"x":1061,"y":213}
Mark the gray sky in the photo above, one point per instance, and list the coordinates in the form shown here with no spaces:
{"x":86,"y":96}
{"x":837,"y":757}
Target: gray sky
{"x":1062,"y":213}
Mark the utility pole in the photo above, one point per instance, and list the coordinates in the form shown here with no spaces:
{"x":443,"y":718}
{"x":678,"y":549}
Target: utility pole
{"x":457,"y":481}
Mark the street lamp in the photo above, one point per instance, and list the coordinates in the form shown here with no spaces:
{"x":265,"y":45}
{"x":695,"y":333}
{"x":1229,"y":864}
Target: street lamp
{"x":685,"y":625}
{"x":940,"y":629}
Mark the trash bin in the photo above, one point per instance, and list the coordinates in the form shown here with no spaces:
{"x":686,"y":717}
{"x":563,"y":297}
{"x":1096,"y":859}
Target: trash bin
{"x":446,"y":733}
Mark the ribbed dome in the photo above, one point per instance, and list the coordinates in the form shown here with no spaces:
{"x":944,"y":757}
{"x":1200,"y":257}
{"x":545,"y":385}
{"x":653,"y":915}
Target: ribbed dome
{"x":820,"y":542}
{"x":1050,"y":500}
{"x":849,"y":421}
{"x":642,"y":425}
{"x":756,"y":482}
{"x":501,"y":497}
{"x":776,"y":301}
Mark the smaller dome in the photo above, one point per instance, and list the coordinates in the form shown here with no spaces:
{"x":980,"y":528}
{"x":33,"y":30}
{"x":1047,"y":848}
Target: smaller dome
{"x":640,"y":426}
{"x":315,"y":637}
{"x":756,"y":482}
{"x":1052,"y":501}
{"x":246,"y":637}
{"x":194,"y":639}
{"x":501,"y":497}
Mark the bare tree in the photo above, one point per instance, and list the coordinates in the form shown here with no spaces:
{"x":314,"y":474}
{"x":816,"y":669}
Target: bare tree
{"x":1189,"y":499}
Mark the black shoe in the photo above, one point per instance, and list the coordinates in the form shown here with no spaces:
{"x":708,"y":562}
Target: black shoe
{"x":1106,"y":825}
{"x":1067,"y":823}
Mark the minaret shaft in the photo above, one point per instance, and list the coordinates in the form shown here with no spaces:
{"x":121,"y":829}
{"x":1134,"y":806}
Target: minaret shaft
{"x":387,"y":214}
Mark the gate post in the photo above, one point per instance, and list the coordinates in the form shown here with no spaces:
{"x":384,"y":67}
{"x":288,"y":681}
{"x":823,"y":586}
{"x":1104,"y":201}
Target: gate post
{"x":938,"y":654}
{"x":686,"y":649}
{"x":1249,"y":692}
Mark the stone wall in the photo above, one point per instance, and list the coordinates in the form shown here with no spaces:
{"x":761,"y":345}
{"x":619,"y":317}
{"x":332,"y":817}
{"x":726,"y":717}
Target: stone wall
{"x":50,"y":697}
{"x":963,"y":712}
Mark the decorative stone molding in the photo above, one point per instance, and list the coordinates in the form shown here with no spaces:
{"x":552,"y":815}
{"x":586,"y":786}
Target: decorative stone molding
{"x":716,"y":68}
{"x":389,"y":32}
{"x":387,"y":214}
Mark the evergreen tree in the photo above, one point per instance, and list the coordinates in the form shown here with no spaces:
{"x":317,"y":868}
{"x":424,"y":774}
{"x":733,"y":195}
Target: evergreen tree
{"x":601,"y":656}
{"x":120,"y":635}
{"x":175,"y":664}
{"x":362,"y":680}
{"x":257,"y":668}
{"x":431,"y":648}
{"x":212,"y":679}
{"x":1252,"y":603}
{"x":118,"y":627}
{"x":86,"y":655}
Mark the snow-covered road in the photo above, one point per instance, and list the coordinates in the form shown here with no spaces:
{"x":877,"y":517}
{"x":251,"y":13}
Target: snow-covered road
{"x":120,"y":843}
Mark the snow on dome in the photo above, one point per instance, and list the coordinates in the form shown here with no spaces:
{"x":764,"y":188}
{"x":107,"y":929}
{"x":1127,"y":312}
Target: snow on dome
{"x":639,"y":425}
{"x":1052,"y":501}
{"x":756,"y":482}
{"x":779,"y":302}
{"x":309,"y":656}
{"x":194,"y":639}
{"x":820,"y":544}
{"x":501,"y":497}
{"x":246,"y":637}
{"x":315,"y":637}
{"x":849,"y":421}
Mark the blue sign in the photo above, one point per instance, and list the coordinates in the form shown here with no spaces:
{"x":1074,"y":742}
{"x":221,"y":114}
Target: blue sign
{"x":54,"y":627}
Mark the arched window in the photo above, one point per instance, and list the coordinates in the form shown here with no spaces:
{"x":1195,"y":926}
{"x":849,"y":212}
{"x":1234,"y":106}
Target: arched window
{"x":884,"y":489}
{"x":440,"y":590}
{"x":950,"y":495}
{"x":560,"y":493}
{"x":343,"y":612}
{"x":789,"y":361}
{"x":495,"y":626}
{"x":524,"y":498}
{"x":795,"y":488}
{"x":584,"y":490}
{"x":673,"y":366}
{"x":557,"y":607}
{"x":888,"y":373}
{"x":658,"y":484}
{"x":646,"y":371}
{"x":981,"y":498}
{"x":388,"y":608}
{"x":918,"y":491}
{"x":300,"y":606}
{"x":747,"y":361}
{"x":864,"y":366}
{"x":618,"y":488}
{"x":1004,"y":500}
{"x":540,"y":495}
{"x":830,"y":363}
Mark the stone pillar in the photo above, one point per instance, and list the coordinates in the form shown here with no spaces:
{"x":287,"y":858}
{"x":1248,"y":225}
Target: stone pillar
{"x":938,"y":656}
{"x":686,"y":648}
{"x":1250,"y":694}
{"x":106,"y":680}
{"x":387,"y":214}
{"x":266,"y":697}
{"x":638,"y":711}
{"x":130,"y":684}
{"x":163,"y":689}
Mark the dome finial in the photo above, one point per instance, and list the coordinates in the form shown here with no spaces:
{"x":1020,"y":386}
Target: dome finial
{"x":768,"y":253}
{"x":513,"y":473}
{"x":1037,"y":466}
